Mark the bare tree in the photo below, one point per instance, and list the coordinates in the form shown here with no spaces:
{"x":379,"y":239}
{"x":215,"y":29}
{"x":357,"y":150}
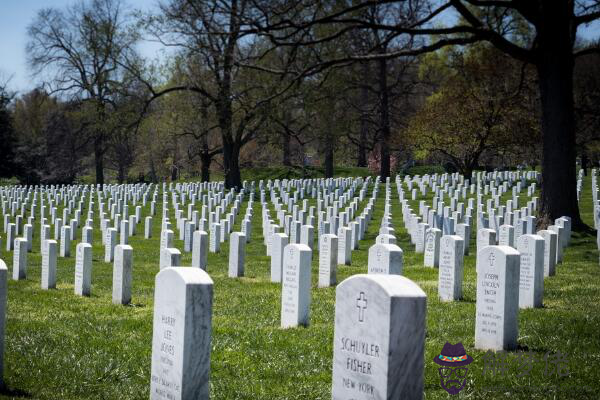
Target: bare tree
{"x":210,"y":35}
{"x":80,"y":48}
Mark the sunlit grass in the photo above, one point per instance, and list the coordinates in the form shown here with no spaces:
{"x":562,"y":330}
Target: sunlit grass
{"x":61,"y":346}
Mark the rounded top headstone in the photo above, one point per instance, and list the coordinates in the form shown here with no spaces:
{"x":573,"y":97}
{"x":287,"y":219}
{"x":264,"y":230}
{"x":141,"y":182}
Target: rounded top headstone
{"x":393,"y":285}
{"x":186,"y":275}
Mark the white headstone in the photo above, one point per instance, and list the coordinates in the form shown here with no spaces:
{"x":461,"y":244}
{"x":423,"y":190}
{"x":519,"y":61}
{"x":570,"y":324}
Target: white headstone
{"x":122,"y":270}
{"x":166,"y":239}
{"x":296,"y":281}
{"x":181,"y":337}
{"x":124,"y":232}
{"x":170,"y":257}
{"x":565,"y":223}
{"x":485,"y":237}
{"x":344,"y":256}
{"x":464,"y":231}
{"x":109,"y":244}
{"x":28,"y":235}
{"x":65,"y":241}
{"x":87,"y":235}
{"x":148,"y":227}
{"x":531,"y":286}
{"x":385,"y":239}
{"x":190,"y":228}
{"x":420,"y":237}
{"x":83,"y":269}
{"x":379,"y":339}
{"x":386,"y":259}
{"x":432,"y":247}
{"x":506,"y":235}
{"x":49,"y":253}
{"x":215,"y":238}
{"x":307,"y":235}
{"x":560,"y":237}
{"x":278,"y":243}
{"x":10,"y":236}
{"x":237,"y":254}
{"x":550,"y":239}
{"x":20,"y":259}
{"x":328,"y":260}
{"x":450,"y":276}
{"x":496,"y":321}
{"x":3,"y":292}
{"x":200,"y":250}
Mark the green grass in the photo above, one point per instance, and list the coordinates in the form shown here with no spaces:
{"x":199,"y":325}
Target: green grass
{"x":61,"y":346}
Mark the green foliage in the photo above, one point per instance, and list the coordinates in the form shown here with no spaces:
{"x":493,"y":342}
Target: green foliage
{"x":9,"y":181}
{"x":481,"y":111}
{"x":6,"y":135}
{"x":85,"y":180}
{"x":425,"y":170}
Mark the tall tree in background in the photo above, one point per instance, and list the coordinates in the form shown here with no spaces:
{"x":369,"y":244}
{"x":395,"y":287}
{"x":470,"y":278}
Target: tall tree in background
{"x":6,"y":133}
{"x":362,"y":28}
{"x":587,"y":106}
{"x":551,"y":27}
{"x":212,"y":39}
{"x":82,"y":48}
{"x":31,"y":114}
{"x":481,"y":109}
{"x":50,"y":141}
{"x":382,"y":42}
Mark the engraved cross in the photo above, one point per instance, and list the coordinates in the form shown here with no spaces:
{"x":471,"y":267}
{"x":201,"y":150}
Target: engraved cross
{"x":361,"y":304}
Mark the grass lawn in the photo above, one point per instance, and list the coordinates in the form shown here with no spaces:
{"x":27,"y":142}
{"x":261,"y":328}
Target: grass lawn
{"x":61,"y":346}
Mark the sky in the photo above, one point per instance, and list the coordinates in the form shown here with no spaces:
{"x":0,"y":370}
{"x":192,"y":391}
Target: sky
{"x":16,"y":15}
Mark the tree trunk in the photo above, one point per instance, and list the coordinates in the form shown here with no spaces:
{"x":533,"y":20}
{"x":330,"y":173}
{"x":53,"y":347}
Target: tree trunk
{"x":205,"y":154}
{"x":174,"y":166}
{"x":329,"y":155}
{"x":467,"y":171}
{"x":231,"y":163}
{"x":584,"y":160}
{"x":555,"y":72}
{"x":121,"y":173}
{"x":362,"y":150}
{"x":235,"y":176}
{"x":153,"y":176}
{"x":364,"y":117}
{"x":205,"y":160}
{"x":285,"y":148}
{"x":99,"y":159}
{"x":384,"y":120}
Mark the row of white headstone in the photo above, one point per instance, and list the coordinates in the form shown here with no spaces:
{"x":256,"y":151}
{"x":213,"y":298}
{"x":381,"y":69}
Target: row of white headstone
{"x":379,"y":331}
{"x":388,"y":261}
{"x":122,"y":268}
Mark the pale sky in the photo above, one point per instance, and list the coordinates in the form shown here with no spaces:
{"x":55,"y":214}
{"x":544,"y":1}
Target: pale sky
{"x":16,"y":15}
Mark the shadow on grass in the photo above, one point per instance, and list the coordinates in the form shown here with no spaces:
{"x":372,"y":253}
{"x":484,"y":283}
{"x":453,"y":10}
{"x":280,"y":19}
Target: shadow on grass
{"x":525,"y":348}
{"x":467,"y":299}
{"x":14,"y":393}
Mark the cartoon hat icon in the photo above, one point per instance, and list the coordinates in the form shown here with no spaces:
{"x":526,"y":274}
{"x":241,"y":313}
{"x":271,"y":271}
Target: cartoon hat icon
{"x":453,"y":355}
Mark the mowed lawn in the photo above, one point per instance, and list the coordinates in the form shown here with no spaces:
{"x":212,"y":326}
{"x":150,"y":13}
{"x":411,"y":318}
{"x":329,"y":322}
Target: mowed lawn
{"x":61,"y":346}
